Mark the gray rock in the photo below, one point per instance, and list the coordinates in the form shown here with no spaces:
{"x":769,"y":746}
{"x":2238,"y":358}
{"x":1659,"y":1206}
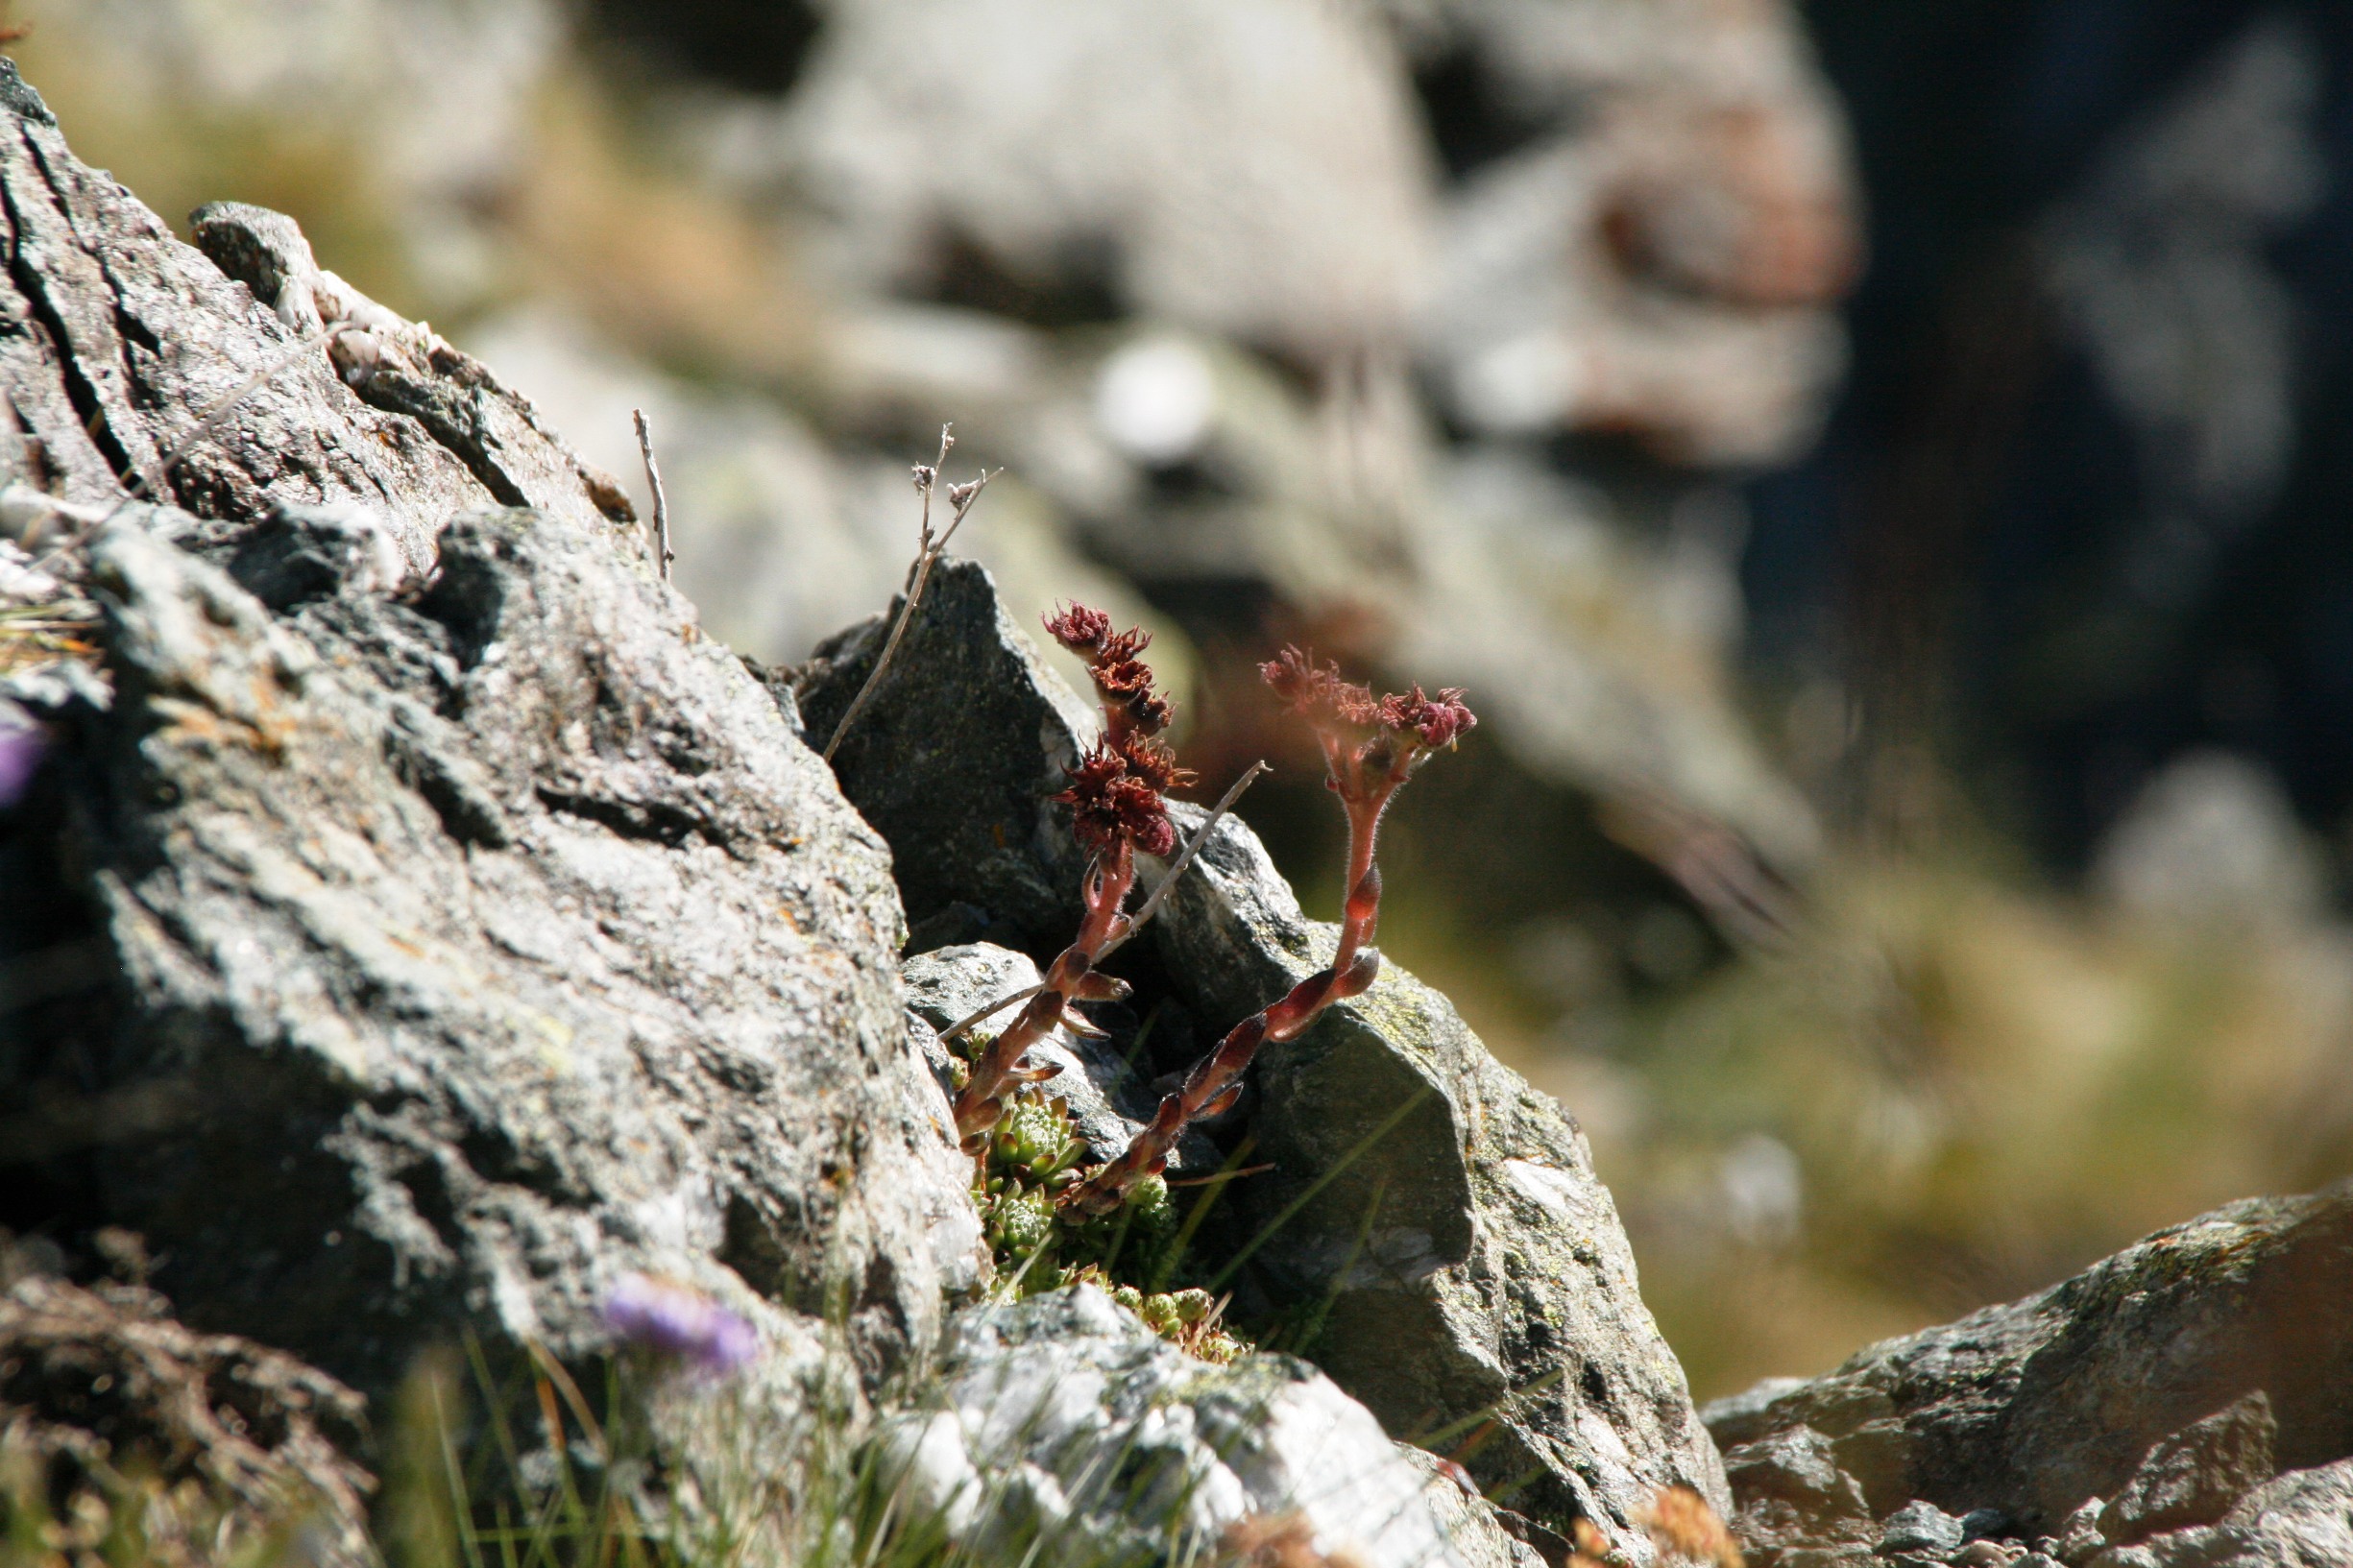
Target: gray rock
{"x":1441,"y":1217}
{"x":142,"y":336}
{"x":1069,"y":1429}
{"x":405,"y":367}
{"x":436,"y":959}
{"x":304,"y":552}
{"x":1288,"y":207}
{"x":2195,"y":1475}
{"x":953,"y":763}
{"x":1110,"y":1098}
{"x":1920,"y":1529}
{"x":2080,"y":1537}
{"x":1983,"y":1524}
{"x":1792,"y":1496}
{"x":2036,"y":1407}
{"x":480,"y":949}
{"x":2303,"y":1519}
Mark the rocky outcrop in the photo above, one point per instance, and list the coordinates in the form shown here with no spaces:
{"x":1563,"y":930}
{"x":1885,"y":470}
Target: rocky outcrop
{"x":444,"y":927}
{"x":2130,"y":1416}
{"x":952,"y":761}
{"x":1069,"y":1428}
{"x":1431,"y":1226}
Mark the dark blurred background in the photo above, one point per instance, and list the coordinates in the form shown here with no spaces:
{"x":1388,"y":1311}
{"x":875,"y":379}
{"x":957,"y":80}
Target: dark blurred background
{"x":1877,"y":469}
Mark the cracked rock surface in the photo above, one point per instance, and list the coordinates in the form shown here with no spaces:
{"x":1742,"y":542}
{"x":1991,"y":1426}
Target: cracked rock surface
{"x":433,"y":925}
{"x":1065,"y":1421}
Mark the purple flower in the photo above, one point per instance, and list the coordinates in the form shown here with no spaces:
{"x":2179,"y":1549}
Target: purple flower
{"x":21,"y":746}
{"x":679,"y":1323}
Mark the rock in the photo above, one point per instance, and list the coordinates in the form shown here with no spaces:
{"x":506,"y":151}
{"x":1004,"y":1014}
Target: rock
{"x":2303,"y":1519}
{"x":2212,"y":843}
{"x":506,"y":940}
{"x":1658,"y":205}
{"x":1920,"y":1529}
{"x":1267,"y":180}
{"x":405,"y":367}
{"x":2148,"y":1373}
{"x":1441,"y":1217}
{"x":952,"y":761}
{"x":97,"y":1385}
{"x":1066,"y":1421}
{"x":299,"y":553}
{"x":2079,"y":1533}
{"x":427,"y":962}
{"x":783,"y":538}
{"x":144,"y":336}
{"x":1981,"y":1524}
{"x":1592,"y":630}
{"x":1110,"y":1098}
{"x":1494,"y":1262}
{"x":2195,"y":1475}
{"x":1792,"y":1495}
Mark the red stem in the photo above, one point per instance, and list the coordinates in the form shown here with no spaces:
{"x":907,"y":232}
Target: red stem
{"x":999,"y":1068}
{"x":1217,"y":1077}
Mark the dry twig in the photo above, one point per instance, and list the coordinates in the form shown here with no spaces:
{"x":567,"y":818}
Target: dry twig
{"x":1151,"y":905}
{"x":664,"y":555}
{"x":927,"y":551}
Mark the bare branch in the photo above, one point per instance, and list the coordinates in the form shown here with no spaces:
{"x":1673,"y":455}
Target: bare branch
{"x":664,"y":555}
{"x":983,"y":1014}
{"x":927,"y":551}
{"x":1184,"y":857}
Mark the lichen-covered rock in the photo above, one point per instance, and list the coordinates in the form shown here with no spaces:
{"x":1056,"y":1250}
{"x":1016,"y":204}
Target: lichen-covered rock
{"x":2168,"y":1379}
{"x":1443,"y":1220}
{"x":460,"y":935}
{"x":1492,"y":1279}
{"x":953,"y":763}
{"x":477,"y":949}
{"x":1070,"y":1428}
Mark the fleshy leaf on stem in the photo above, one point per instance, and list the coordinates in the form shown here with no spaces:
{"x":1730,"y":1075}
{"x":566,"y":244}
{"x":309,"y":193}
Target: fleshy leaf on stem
{"x":1117,"y":809}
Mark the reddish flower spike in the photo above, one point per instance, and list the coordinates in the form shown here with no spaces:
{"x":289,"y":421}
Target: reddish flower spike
{"x":1082,"y":631}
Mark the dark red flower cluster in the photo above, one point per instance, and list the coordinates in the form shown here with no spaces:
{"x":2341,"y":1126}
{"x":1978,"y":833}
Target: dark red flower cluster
{"x":1344,"y":711}
{"x":1115,"y":790}
{"x":1111,"y":804}
{"x":1122,"y":680}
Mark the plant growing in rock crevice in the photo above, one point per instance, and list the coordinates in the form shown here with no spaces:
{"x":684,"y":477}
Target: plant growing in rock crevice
{"x":1115,"y":797}
{"x":1049,"y":1224}
{"x":1371,"y":746}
